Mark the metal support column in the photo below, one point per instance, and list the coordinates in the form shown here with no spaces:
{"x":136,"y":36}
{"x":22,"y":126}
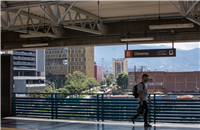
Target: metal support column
{"x":102,"y":108}
{"x":97,"y":107}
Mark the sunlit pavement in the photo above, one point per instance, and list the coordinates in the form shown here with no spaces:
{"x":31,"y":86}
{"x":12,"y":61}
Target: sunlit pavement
{"x":13,"y":123}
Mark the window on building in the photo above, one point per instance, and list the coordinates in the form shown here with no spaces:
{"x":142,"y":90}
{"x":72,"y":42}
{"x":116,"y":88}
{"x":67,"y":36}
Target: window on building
{"x":82,"y":55}
{"x":68,"y":51}
{"x":75,"y":51}
{"x":69,"y":67}
{"x":84,"y":51}
{"x":80,"y":51}
{"x":84,"y":59}
{"x":72,"y":59}
{"x":79,"y":67}
{"x":79,"y":59}
{"x":76,"y":67}
{"x":49,"y":52}
{"x":72,"y":67}
{"x":84,"y":67}
{"x":69,"y":59}
{"x":75,"y":59}
{"x":72,"y":51}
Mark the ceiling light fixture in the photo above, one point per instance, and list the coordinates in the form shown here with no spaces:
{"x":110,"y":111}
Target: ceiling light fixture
{"x":35,"y":45}
{"x":37,"y":35}
{"x":171,"y":26}
{"x":137,"y":39}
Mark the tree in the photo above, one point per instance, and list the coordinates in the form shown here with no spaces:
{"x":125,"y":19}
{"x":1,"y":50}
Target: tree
{"x":102,"y":82}
{"x":114,"y":89}
{"x":109,"y":78}
{"x":60,"y":82}
{"x":122,"y":80}
{"x":108,"y":81}
{"x":91,"y":82}
{"x":75,"y":82}
{"x":50,"y":77}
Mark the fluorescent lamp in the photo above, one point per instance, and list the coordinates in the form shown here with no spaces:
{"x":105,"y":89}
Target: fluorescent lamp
{"x":37,"y":35}
{"x":35,"y":45}
{"x":137,"y":39}
{"x":171,"y":26}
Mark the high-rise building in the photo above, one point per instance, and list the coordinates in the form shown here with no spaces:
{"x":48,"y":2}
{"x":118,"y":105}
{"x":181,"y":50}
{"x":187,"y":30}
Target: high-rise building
{"x":60,"y":62}
{"x":98,"y":73}
{"x":28,"y":70}
{"x":56,"y":61}
{"x":119,"y":65}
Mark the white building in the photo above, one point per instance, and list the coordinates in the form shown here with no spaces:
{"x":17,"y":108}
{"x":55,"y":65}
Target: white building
{"x":119,"y":65}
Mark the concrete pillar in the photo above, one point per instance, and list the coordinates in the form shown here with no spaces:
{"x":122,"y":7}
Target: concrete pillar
{"x":6,"y":84}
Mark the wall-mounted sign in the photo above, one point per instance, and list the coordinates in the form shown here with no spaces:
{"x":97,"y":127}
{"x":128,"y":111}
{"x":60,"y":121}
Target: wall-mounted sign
{"x":150,"y":53}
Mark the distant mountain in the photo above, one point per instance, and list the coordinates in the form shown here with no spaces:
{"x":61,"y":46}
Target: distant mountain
{"x":185,"y":60}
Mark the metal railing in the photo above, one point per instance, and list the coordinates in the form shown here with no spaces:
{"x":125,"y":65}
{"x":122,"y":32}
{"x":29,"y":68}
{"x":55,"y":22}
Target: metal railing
{"x":103,"y":107}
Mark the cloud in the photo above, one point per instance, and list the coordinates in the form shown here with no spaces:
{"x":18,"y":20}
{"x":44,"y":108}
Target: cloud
{"x":182,"y":46}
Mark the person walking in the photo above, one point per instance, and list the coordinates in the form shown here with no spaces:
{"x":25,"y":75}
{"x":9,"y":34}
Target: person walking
{"x":143,"y":96}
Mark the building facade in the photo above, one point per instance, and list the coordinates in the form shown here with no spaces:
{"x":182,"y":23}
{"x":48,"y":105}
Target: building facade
{"x":61,"y":62}
{"x":56,"y":61}
{"x":98,"y":73}
{"x":28,"y":69}
{"x":167,"y":81}
{"x":119,"y":65}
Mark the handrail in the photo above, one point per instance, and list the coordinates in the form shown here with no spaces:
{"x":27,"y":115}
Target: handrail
{"x":101,"y":108}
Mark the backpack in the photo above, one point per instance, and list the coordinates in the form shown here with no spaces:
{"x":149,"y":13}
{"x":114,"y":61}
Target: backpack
{"x":135,"y":90}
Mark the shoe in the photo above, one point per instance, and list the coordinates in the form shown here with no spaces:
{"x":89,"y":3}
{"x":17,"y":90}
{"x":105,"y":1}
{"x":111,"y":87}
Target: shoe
{"x":147,"y":125}
{"x":133,"y":120}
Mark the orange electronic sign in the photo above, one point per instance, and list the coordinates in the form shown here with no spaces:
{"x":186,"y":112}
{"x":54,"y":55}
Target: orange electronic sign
{"x":128,"y":53}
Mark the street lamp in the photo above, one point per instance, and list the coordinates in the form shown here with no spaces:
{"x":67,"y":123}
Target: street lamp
{"x":197,"y":89}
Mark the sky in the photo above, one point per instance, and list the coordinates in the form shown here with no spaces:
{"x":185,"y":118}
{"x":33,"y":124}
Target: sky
{"x":182,"y":46}
{"x":117,"y":51}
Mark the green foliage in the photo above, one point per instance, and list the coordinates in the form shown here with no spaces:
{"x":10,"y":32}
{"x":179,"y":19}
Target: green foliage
{"x":109,"y":78}
{"x":60,"y":82}
{"x":50,"y":77}
{"x":114,"y":89}
{"x":77,"y":82}
{"x":91,"y":82}
{"x":48,"y":89}
{"x":122,"y":80}
{"x":102,"y":82}
{"x":74,"y":83}
{"x":108,"y":81}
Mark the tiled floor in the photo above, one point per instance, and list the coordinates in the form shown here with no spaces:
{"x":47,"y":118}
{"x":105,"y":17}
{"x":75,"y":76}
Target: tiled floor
{"x":47,"y":124}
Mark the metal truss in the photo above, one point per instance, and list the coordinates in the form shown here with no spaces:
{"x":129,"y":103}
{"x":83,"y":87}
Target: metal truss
{"x":53,"y":19}
{"x":189,"y":9}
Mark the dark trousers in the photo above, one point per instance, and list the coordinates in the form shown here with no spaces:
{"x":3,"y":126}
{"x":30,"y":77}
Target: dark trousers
{"x":145,"y":114}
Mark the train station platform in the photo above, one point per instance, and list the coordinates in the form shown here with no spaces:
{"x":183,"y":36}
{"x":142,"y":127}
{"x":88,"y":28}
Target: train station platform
{"x":16,"y":123}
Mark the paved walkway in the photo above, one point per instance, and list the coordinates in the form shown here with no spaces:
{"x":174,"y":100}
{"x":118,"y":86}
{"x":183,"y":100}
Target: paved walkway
{"x":15,"y":123}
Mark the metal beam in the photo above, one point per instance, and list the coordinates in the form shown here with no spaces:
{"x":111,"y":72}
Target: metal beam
{"x":4,"y":4}
{"x":14,"y":17}
{"x":193,"y":20}
{"x":36,"y":4}
{"x":105,"y":41}
{"x":51,"y":14}
{"x":192,"y":7}
{"x":82,"y":12}
{"x":32,"y":16}
{"x":3,"y":23}
{"x":183,"y":9}
{"x":175,"y":6}
{"x":62,"y":18}
{"x":83,"y":29}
